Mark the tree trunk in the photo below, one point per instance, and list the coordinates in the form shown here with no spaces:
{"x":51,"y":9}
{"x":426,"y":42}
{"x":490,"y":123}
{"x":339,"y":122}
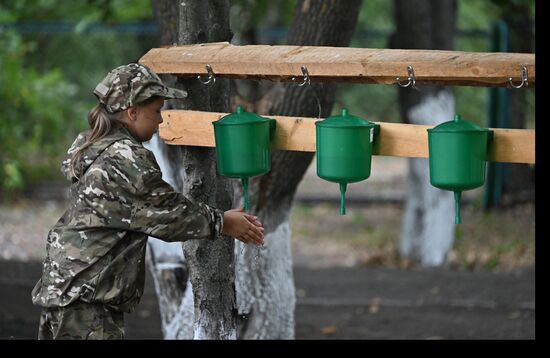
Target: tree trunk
{"x":211,"y":263}
{"x":427,"y":232}
{"x":265,"y":283}
{"x":245,"y":91}
{"x":166,"y":261}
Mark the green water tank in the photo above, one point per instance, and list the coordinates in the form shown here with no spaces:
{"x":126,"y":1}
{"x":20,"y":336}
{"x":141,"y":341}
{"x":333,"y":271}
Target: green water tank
{"x":344,"y":150}
{"x":243,"y":146}
{"x":458,"y":154}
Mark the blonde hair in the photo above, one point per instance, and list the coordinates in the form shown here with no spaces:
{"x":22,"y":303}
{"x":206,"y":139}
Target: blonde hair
{"x":101,"y":123}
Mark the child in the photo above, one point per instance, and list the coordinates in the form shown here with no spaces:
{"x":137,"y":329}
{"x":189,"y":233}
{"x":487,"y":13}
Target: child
{"x":95,"y":264}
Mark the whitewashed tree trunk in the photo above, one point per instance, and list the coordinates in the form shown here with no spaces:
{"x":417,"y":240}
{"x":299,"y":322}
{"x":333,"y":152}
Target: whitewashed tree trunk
{"x":165,"y":259}
{"x":167,"y":265}
{"x":427,"y":231}
{"x":265,"y":287}
{"x":428,"y":224}
{"x":210,"y":263}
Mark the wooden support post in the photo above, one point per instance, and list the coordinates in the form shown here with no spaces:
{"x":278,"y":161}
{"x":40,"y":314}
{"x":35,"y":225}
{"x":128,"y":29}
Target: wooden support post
{"x":195,"y":128}
{"x":343,"y":64}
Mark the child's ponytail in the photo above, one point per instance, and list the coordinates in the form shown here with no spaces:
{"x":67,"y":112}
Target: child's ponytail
{"x":101,"y":123}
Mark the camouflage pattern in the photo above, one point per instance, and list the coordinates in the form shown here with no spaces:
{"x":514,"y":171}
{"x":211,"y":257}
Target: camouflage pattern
{"x":96,"y":251}
{"x":81,"y":321}
{"x":130,"y":84}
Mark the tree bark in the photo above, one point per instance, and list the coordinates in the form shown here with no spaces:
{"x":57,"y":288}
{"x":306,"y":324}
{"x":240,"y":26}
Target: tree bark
{"x":166,"y":261}
{"x":265,"y":283}
{"x":427,"y":232}
{"x":211,"y":263}
{"x":165,"y":13}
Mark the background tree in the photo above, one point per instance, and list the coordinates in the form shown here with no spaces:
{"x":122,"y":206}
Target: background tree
{"x":427,"y":231}
{"x":265,"y":284}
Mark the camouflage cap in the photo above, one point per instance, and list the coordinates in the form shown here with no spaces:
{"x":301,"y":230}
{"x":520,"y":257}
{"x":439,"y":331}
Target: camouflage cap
{"x":131,"y":84}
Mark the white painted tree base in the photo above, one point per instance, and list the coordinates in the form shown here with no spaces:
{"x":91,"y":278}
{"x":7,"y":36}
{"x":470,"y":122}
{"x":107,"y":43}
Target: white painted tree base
{"x":428,"y":227}
{"x":265,"y":286}
{"x":176,"y":317}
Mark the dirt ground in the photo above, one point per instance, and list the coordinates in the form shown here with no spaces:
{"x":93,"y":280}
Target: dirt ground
{"x":343,"y":303}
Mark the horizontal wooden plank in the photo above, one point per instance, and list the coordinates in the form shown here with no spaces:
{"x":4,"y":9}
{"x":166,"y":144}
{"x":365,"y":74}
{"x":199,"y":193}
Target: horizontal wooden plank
{"x":342,"y":64}
{"x":195,"y":128}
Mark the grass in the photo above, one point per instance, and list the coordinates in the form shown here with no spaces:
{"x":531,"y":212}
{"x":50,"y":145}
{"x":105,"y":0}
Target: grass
{"x":499,"y":240}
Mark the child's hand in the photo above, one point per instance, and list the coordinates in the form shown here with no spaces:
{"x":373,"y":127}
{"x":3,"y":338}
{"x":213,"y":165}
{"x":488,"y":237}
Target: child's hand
{"x":243,"y":227}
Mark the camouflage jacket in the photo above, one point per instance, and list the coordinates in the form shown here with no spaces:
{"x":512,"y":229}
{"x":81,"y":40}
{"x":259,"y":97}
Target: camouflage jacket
{"x":96,"y":251}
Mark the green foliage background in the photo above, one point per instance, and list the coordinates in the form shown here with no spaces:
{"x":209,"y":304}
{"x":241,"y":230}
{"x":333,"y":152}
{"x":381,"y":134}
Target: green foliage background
{"x":46,"y":79}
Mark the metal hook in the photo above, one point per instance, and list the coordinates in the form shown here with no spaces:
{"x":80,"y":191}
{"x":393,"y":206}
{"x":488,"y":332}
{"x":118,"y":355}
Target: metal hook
{"x":411,"y":79}
{"x":306,"y":77}
{"x":523,"y":78}
{"x":211,"y":77}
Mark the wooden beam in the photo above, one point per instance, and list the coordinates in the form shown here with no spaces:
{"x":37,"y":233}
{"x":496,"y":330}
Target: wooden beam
{"x":194,"y":128}
{"x":342,"y":64}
